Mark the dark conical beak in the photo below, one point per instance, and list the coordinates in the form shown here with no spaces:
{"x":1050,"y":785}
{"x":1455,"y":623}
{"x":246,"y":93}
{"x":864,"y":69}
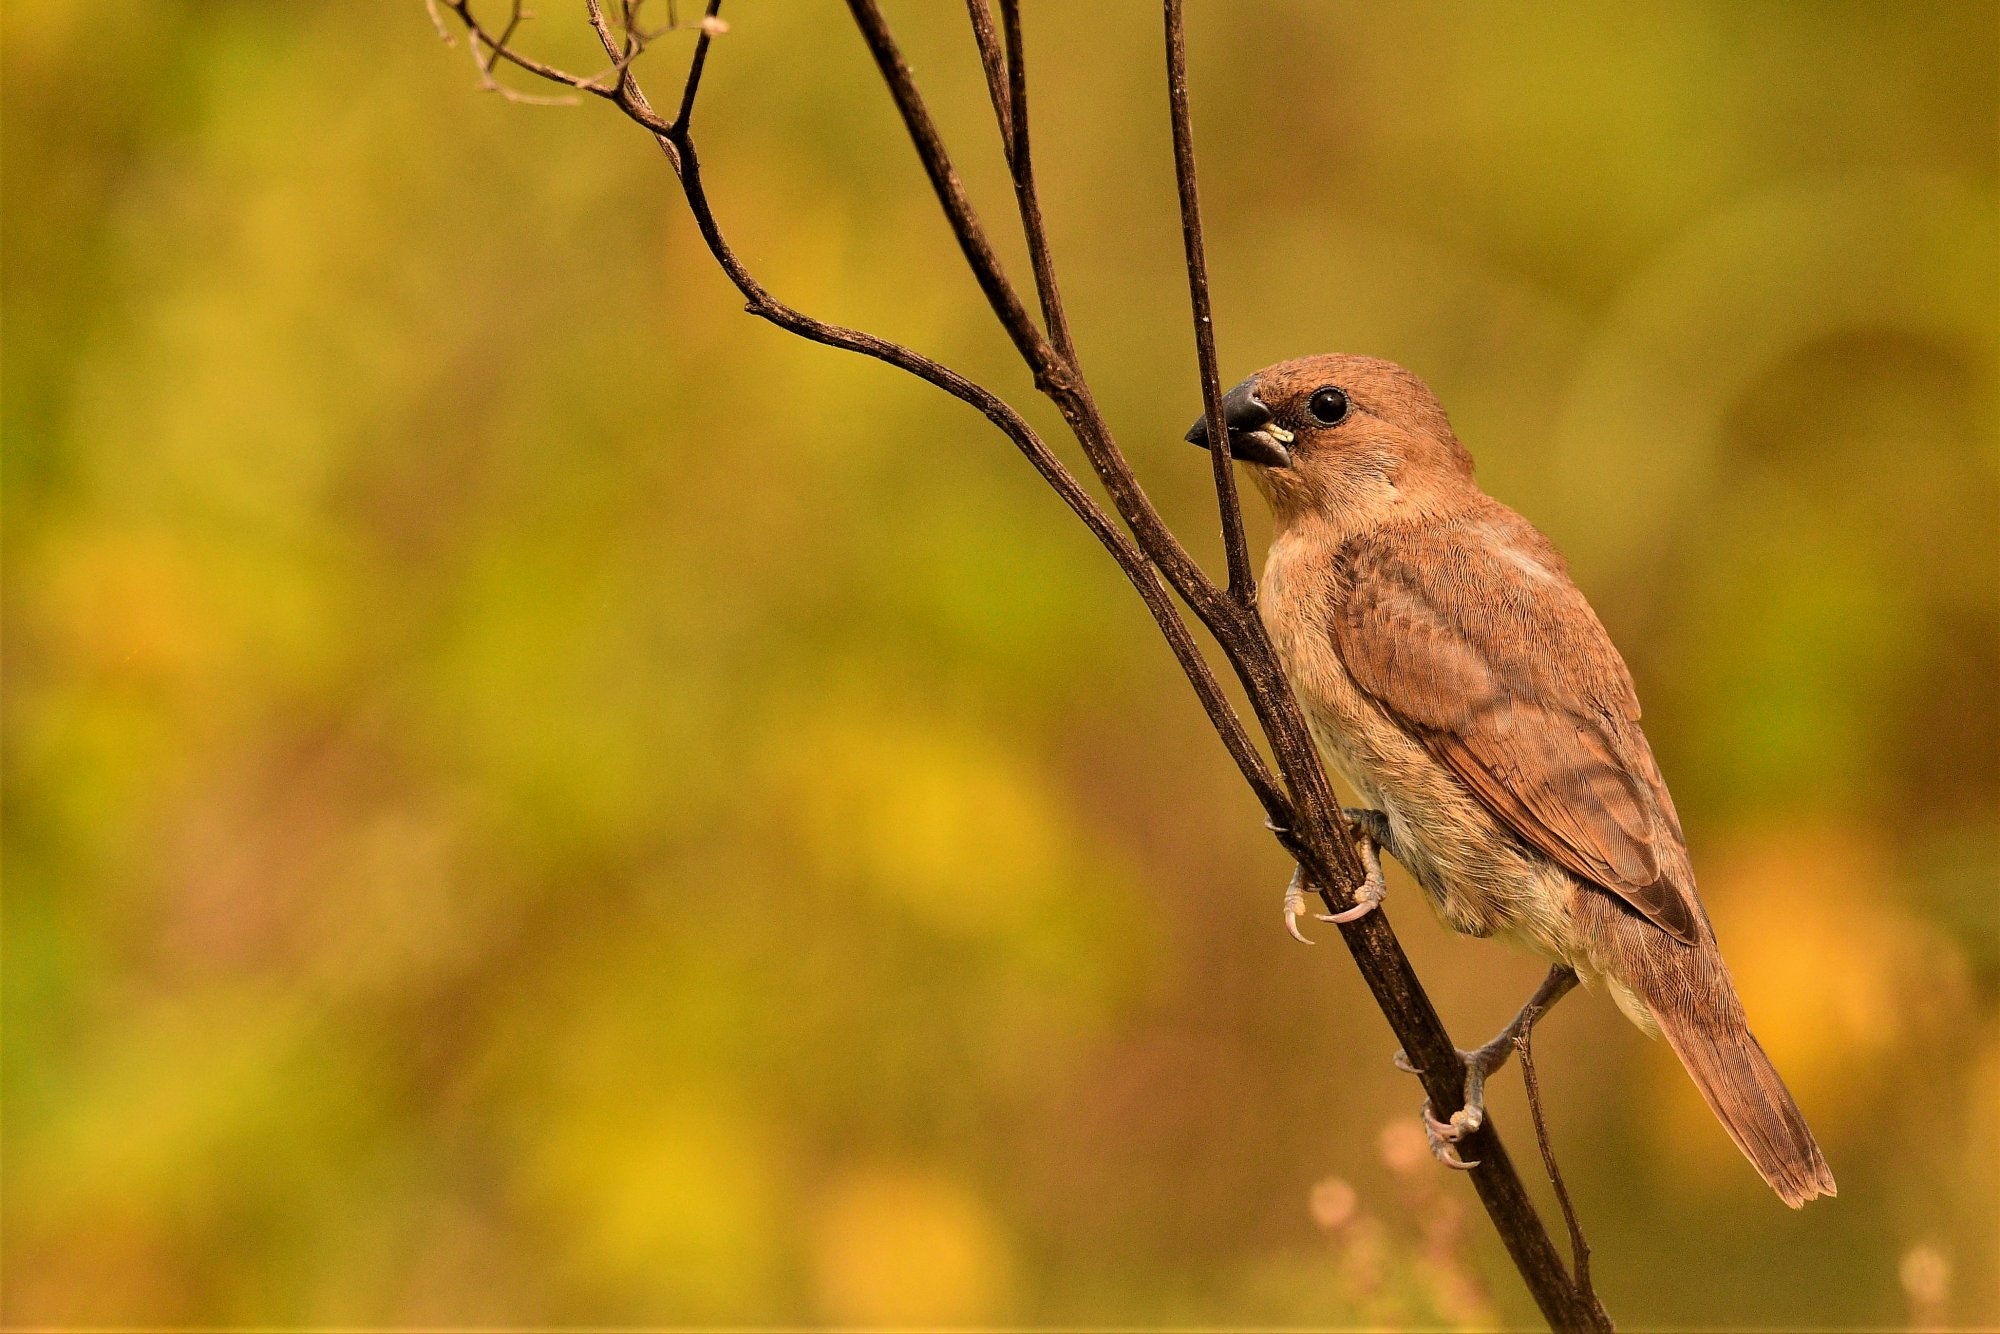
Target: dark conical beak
{"x":1252,"y":436}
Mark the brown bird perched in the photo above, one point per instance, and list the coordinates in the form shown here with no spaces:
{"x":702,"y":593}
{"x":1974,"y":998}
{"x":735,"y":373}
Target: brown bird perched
{"x":1458,"y":680}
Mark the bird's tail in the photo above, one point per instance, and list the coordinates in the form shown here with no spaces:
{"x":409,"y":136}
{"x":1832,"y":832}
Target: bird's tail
{"x":1689,"y":992}
{"x":1753,"y":1104}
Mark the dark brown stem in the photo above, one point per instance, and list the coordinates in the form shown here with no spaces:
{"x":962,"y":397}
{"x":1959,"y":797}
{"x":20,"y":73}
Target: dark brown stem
{"x":990,"y":60}
{"x":1304,"y":807}
{"x":1063,"y":385}
{"x":1007,"y":85}
{"x":1237,"y":551}
{"x":1322,"y":842}
{"x":958,"y":210}
{"x":685,"y":116}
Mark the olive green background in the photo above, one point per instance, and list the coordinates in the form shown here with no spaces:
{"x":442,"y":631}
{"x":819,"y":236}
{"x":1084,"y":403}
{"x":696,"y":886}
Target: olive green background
{"x":534,"y":798}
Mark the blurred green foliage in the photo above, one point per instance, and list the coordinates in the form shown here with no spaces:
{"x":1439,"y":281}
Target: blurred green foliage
{"x":532,"y":797}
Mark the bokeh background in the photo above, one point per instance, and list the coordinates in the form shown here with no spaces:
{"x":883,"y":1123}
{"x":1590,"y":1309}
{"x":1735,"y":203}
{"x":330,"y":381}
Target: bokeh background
{"x":532,"y":797}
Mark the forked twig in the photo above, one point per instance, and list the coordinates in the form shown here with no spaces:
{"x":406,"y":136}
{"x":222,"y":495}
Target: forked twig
{"x":1007,"y":84}
{"x":1297,"y":799}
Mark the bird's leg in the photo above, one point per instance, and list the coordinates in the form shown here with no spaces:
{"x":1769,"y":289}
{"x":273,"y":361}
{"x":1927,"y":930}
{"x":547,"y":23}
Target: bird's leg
{"x":1482,"y":1062}
{"x":1370,"y":829}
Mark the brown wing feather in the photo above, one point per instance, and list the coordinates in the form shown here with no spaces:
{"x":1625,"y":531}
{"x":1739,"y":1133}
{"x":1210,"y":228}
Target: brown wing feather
{"x":1472,"y":635}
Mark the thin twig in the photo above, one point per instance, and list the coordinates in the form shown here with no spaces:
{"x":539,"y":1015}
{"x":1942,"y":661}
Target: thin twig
{"x":1579,"y":1246}
{"x":1319,"y":838}
{"x":710,"y":26}
{"x":1024,"y":179}
{"x":1137,"y":569}
{"x":990,"y":60}
{"x":1007,"y":85}
{"x":1242,"y":585}
{"x":965,"y":226}
{"x":516,"y":15}
{"x":478,"y":34}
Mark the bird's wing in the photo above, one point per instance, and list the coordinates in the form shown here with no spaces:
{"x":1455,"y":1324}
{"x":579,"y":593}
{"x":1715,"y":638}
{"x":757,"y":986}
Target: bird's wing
{"x":1474,"y":638}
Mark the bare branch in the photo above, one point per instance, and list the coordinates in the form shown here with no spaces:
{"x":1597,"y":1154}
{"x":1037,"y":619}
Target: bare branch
{"x":1063,"y":385}
{"x":1007,"y":85}
{"x":1242,"y":584}
{"x":498,"y":50}
{"x":494,"y":47}
{"x":1024,"y":185}
{"x":711,"y":27}
{"x":988,"y":38}
{"x":623,"y":51}
{"x":965,"y":226}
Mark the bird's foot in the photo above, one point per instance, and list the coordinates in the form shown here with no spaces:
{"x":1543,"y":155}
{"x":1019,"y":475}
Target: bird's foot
{"x":1444,"y":1135}
{"x":1480,"y":1064}
{"x":1370,"y":829}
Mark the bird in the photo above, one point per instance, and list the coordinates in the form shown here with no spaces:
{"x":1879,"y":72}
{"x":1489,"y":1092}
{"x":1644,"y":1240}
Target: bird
{"x":1452,"y":673}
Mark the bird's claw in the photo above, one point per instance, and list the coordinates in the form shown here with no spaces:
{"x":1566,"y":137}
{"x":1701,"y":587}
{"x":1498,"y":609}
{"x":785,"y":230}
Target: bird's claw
{"x":1370,"y":829}
{"x":1444,"y":1135}
{"x":1480,"y":1065}
{"x":1295,"y":907}
{"x":1371,"y":833}
{"x":1286,"y":838}
{"x":1461,"y":1123}
{"x":1367,"y":898}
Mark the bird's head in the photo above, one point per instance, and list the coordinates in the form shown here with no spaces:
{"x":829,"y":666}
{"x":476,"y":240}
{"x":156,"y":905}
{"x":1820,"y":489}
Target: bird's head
{"x":1339,"y":432}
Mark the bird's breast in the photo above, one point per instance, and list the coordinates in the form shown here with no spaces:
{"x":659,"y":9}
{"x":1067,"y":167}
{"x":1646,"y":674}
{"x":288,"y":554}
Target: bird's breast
{"x":1297,"y":602}
{"x":1481,"y":880}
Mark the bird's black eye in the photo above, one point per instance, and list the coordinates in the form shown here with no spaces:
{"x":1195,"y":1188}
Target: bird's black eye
{"x":1328,"y":406}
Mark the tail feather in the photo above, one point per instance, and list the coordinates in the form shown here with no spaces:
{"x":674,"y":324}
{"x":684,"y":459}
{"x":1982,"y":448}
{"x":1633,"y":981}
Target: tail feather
{"x":1688,"y":992}
{"x":1743,"y":1090}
